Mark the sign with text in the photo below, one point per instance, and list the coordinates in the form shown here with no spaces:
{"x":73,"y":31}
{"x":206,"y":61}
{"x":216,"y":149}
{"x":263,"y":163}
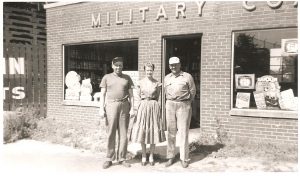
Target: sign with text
{"x":260,"y":100}
{"x":242,"y":100}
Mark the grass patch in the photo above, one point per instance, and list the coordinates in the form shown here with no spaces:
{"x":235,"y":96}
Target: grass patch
{"x":19,"y":124}
{"x":71,"y":135}
{"x":245,"y":148}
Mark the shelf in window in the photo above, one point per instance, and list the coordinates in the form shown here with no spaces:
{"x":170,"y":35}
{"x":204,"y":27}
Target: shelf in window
{"x":264,"y":113}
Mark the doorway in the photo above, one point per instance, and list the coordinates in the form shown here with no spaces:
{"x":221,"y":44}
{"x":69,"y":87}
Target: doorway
{"x":188,"y":49}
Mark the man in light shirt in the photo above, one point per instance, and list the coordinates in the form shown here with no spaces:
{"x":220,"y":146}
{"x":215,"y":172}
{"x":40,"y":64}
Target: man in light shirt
{"x":180,"y":91}
{"x":116,"y":104}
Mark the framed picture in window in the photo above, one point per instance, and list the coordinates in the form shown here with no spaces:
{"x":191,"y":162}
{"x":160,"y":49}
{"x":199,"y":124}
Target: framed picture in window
{"x":244,"y":81}
{"x":289,"y":46}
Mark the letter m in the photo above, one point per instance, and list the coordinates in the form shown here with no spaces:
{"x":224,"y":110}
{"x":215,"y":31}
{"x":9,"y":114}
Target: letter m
{"x":96,"y":23}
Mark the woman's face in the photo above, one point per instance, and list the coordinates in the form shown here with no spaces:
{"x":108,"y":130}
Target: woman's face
{"x":149,"y":72}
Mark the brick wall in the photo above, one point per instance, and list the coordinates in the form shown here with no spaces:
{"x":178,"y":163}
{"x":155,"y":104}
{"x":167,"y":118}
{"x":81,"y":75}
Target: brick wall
{"x":72,"y":24}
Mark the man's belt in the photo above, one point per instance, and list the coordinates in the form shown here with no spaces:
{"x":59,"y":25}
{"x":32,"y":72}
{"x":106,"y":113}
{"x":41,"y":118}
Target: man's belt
{"x":148,"y":98}
{"x":121,"y":99}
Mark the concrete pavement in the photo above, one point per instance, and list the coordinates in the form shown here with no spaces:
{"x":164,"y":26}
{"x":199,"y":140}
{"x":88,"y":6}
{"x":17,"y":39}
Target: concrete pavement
{"x":40,"y":158}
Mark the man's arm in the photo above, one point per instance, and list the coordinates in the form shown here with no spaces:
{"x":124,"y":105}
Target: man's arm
{"x":131,"y":100}
{"x":192,"y":87}
{"x":102,"y":102}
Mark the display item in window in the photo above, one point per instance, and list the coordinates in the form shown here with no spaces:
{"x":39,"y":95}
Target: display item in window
{"x":269,"y":86}
{"x":86,"y":90}
{"x":242,"y":100}
{"x":73,"y":86}
{"x":288,"y":101}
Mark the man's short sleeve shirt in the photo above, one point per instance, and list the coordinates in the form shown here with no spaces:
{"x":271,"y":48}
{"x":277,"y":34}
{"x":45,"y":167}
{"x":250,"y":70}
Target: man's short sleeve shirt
{"x":117,"y":87}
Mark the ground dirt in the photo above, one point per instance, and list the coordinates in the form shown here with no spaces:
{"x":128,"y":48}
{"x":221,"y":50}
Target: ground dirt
{"x":69,"y":148}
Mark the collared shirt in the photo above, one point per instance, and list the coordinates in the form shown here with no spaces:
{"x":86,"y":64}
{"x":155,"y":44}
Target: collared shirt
{"x":116,"y":86}
{"x":181,"y":87}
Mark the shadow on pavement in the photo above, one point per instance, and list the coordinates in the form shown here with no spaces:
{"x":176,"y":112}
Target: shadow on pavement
{"x":197,"y":153}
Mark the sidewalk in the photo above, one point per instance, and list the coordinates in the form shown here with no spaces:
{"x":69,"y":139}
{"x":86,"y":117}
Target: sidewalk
{"x":37,"y":158}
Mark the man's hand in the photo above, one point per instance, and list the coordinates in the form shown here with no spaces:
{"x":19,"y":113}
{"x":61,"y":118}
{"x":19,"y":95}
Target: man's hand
{"x":102,"y":113}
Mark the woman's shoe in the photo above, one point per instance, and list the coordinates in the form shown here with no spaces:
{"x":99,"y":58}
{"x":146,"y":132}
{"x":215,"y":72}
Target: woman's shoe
{"x":151,"y":160}
{"x":143,"y":161}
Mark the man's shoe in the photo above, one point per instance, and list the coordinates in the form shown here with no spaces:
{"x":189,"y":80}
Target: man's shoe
{"x":170,"y":162}
{"x":184,"y":164}
{"x":107,"y":164}
{"x":125,"y":164}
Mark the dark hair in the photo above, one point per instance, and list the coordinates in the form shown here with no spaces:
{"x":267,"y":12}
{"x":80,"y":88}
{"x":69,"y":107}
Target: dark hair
{"x":149,"y":64}
{"x":117,"y":59}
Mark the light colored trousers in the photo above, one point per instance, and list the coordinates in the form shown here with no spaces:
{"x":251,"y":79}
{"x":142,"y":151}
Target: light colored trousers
{"x":178,"y":116}
{"x":118,"y":120}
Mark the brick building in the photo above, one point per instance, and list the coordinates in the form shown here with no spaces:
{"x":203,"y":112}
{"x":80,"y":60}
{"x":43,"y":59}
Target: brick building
{"x":227,"y":47}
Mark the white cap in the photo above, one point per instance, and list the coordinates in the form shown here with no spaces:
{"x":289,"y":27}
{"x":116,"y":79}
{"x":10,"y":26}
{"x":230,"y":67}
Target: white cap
{"x":174,"y":60}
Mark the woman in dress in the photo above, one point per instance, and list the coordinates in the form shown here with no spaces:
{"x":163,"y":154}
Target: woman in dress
{"x":148,"y":127}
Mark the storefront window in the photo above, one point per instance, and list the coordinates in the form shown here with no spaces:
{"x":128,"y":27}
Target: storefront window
{"x":86,"y":64}
{"x":265,"y":69}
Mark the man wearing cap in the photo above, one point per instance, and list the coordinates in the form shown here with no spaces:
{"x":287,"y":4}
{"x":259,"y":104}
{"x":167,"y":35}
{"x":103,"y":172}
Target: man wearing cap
{"x":116,"y":104}
{"x":180,"y":91}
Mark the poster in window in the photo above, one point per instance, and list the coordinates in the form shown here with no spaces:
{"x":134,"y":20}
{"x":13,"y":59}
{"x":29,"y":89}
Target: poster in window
{"x":260,"y":100}
{"x":244,"y":81}
{"x":287,"y":100}
{"x":242,"y":100}
{"x":289,"y":46}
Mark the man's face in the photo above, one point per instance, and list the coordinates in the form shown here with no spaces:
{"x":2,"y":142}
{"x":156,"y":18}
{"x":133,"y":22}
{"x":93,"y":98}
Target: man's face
{"x":175,"y":68}
{"x":117,"y":67}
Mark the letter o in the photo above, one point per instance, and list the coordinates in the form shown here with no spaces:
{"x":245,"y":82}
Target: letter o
{"x":274,"y":5}
{"x":248,"y":7}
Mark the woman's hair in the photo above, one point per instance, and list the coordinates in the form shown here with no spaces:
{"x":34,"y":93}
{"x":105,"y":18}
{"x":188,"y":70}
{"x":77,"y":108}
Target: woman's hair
{"x":149,"y":64}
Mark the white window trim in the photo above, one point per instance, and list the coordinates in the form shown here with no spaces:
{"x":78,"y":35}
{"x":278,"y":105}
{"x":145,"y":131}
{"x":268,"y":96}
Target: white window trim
{"x":81,"y":103}
{"x":264,"y":113}
{"x":255,"y":112}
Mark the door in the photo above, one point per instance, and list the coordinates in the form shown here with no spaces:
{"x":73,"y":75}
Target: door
{"x":188,"y":49}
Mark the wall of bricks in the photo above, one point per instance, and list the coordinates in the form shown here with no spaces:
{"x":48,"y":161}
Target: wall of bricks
{"x":73,"y":24}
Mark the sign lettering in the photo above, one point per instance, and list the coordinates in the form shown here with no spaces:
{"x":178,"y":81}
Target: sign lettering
{"x":180,"y":9}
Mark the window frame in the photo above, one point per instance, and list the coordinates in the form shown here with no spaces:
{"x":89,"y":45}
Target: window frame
{"x":282,"y":114}
{"x":78,"y":102}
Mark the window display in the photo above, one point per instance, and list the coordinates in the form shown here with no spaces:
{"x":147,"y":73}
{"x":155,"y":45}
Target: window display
{"x":270,"y":58}
{"x":86,"y":64}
